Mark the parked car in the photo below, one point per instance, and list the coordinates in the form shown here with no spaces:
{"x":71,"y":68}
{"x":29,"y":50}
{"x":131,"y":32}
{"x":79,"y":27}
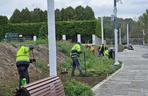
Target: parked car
{"x":129,"y":47}
{"x":11,"y":36}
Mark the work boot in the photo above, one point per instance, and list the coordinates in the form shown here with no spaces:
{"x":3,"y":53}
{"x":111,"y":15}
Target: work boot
{"x":72,"y":73}
{"x":81,"y":73}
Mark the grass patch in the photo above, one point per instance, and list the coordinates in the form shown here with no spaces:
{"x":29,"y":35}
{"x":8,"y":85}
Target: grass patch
{"x":75,"y":88}
{"x":41,"y":65}
{"x":38,"y":42}
{"x":7,"y":89}
{"x":95,"y":65}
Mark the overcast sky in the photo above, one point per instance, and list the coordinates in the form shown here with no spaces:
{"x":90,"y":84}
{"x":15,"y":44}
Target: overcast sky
{"x":128,"y":8}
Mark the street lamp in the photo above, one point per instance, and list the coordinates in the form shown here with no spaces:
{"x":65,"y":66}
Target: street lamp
{"x":143,"y":37}
{"x":127,"y":34}
{"x":102,"y":30}
{"x":116,"y":32}
{"x":51,"y":38}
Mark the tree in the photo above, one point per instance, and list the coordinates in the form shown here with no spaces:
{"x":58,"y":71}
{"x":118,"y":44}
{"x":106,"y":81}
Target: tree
{"x":64,"y":17}
{"x":70,"y":13}
{"x":58,"y":15}
{"x":79,"y":13}
{"x":16,"y":17}
{"x":108,"y":28}
{"x":26,"y":15}
{"x":45,"y":16}
{"x":3,"y":20}
{"x":144,"y":21}
{"x":37,"y":15}
{"x":89,"y":14}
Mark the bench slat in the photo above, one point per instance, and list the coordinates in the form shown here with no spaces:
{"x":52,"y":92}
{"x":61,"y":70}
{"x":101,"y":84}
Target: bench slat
{"x":40,"y":84}
{"x":51,"y":86}
{"x":61,"y":93}
{"x":39,"y":89}
{"x":58,"y":89}
{"x":58,"y":83}
{"x":42,"y":92}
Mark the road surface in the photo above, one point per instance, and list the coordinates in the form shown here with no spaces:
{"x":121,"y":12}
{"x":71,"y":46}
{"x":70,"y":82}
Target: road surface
{"x":132,"y":80}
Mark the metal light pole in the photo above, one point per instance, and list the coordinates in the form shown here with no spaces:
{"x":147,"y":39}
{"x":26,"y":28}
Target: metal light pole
{"x":143,"y":37}
{"x":116,"y":32}
{"x":51,"y":38}
{"x":102,"y":31}
{"x":127,"y":34}
{"x":120,"y":42}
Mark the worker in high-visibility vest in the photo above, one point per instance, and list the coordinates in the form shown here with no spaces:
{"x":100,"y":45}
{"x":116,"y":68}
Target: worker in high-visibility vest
{"x":101,"y":50}
{"x":106,"y":52}
{"x":75,"y":53}
{"x":22,"y":62}
{"x":109,"y":52}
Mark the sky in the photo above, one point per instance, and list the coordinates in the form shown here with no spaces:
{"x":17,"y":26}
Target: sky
{"x":126,"y":8}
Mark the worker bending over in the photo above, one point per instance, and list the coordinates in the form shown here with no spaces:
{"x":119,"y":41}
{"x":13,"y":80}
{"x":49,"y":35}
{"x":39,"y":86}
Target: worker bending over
{"x":109,"y":52}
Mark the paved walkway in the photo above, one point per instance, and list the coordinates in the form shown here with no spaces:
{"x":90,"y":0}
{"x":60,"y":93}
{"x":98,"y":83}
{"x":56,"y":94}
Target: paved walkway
{"x":132,"y":80}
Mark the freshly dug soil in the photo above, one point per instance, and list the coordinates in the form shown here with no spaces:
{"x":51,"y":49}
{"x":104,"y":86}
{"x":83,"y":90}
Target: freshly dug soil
{"x":92,"y":81}
{"x":8,"y":70}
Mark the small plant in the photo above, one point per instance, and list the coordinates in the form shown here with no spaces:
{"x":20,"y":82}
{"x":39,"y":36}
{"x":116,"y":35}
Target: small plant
{"x":41,"y":65}
{"x":75,"y":88}
{"x":64,"y":47}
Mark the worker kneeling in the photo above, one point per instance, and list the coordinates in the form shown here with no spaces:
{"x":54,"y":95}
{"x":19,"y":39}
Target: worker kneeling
{"x":109,"y":53}
{"x":75,"y":53}
{"x":22,"y":62}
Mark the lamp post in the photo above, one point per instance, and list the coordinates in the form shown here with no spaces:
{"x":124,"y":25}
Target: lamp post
{"x":102,"y":30}
{"x":127,"y":34}
{"x":51,"y":38}
{"x":120,"y":41}
{"x":116,"y":32}
{"x":143,"y":37}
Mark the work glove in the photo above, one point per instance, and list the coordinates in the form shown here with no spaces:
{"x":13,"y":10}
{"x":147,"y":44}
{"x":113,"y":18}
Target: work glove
{"x":80,"y":52}
{"x":32,"y":60}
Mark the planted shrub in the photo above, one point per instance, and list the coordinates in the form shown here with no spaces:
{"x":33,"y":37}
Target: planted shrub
{"x":75,"y":88}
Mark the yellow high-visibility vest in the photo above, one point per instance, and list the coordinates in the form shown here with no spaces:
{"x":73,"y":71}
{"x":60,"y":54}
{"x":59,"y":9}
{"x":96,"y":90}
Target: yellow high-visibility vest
{"x":23,"y":54}
{"x":76,"y":47}
{"x":106,"y":53}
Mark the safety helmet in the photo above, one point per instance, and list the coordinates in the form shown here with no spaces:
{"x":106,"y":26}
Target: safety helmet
{"x":79,"y":43}
{"x":31,"y":47}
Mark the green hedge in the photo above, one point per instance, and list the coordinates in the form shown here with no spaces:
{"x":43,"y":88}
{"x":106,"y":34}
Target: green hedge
{"x":69,"y":28}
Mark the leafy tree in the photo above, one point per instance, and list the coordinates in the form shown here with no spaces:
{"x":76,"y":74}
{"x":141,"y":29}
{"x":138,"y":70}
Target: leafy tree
{"x":3,"y":25}
{"x":89,"y":14}
{"x":37,"y":15}
{"x":3,"y":20}
{"x":108,"y":28}
{"x":70,"y":13}
{"x":58,"y":15}
{"x":98,"y":28}
{"x":79,"y":13}
{"x":26,"y":15}
{"x":144,"y":22}
{"x":64,"y":15}
{"x":45,"y":16}
{"x":16,"y":17}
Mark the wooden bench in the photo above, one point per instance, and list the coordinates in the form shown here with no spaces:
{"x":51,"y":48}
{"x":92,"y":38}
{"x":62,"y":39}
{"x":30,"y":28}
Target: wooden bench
{"x":51,"y":86}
